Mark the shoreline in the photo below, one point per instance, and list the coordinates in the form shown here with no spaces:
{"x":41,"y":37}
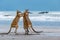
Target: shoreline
{"x":47,"y":34}
{"x":21,"y":29}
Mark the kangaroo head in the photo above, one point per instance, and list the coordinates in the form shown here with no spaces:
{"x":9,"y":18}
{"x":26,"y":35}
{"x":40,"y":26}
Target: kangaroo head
{"x":26,"y":12}
{"x":19,"y":14}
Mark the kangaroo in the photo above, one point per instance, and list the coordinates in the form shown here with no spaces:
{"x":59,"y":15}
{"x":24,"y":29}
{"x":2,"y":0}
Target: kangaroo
{"x":27,"y":23}
{"x":14,"y":23}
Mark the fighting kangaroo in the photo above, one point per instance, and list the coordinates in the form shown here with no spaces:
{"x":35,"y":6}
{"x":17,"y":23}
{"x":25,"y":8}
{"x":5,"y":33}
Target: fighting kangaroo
{"x":27,"y":23}
{"x":14,"y":23}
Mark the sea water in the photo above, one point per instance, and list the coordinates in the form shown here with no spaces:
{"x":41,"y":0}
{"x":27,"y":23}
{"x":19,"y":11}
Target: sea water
{"x":48,"y":20}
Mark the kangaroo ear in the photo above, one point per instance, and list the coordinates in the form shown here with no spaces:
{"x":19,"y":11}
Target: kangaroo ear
{"x":18,"y":11}
{"x":27,"y":11}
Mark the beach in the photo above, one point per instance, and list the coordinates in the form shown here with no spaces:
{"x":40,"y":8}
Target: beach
{"x":42,"y":15}
{"x":47,"y":34}
{"x":48,"y":23}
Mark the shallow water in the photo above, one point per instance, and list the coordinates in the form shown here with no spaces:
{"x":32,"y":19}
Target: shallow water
{"x":48,"y":24}
{"x":49,"y":20}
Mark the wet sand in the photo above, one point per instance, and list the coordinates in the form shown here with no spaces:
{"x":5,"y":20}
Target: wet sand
{"x":47,"y":34}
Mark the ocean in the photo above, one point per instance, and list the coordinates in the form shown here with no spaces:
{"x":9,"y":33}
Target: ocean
{"x":38,"y":19}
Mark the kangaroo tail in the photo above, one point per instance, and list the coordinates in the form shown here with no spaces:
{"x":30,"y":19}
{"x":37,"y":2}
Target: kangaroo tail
{"x":36,"y":31}
{"x":9,"y":30}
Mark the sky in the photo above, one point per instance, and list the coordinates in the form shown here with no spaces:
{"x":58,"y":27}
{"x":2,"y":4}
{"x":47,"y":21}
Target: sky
{"x":33,"y":5}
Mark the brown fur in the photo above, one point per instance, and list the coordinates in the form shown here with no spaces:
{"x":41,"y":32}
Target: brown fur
{"x":27,"y":22}
{"x":14,"y":23}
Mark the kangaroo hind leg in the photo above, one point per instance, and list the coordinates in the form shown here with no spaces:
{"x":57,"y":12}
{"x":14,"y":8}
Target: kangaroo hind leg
{"x":16,"y":29}
{"x":26,"y":31}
